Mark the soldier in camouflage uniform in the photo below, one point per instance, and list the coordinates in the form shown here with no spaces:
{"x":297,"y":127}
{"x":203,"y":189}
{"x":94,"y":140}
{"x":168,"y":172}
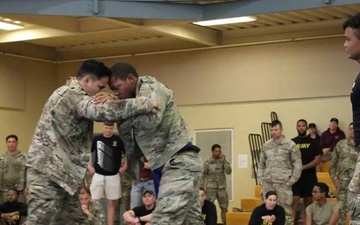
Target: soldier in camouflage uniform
{"x":92,"y":209}
{"x":12,"y":169}
{"x":125,"y":182}
{"x":279,"y":168}
{"x":60,"y":148}
{"x":164,"y":140}
{"x":342,"y":167}
{"x":214,"y":179}
{"x":125,"y":190}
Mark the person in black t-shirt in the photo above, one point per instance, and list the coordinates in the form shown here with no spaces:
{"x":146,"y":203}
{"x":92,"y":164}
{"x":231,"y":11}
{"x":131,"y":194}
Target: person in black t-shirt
{"x":269,"y":213}
{"x":208,"y":209}
{"x":106,"y":151}
{"x":352,"y":47}
{"x":141,"y":214}
{"x":310,"y":157}
{"x":12,"y":211}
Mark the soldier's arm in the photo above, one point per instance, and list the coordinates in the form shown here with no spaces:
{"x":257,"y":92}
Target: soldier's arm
{"x":97,"y":215}
{"x":227,"y":167}
{"x":334,"y":162}
{"x":334,"y":216}
{"x":22,"y":173}
{"x":297,"y":164}
{"x":113,"y":110}
{"x":146,"y":218}
{"x":261,"y":165}
{"x":308,"y":217}
{"x":161,"y":96}
{"x":204,"y":176}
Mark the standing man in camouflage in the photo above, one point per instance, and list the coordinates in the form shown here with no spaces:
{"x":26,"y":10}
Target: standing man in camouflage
{"x":163,"y":138}
{"x":214,"y":179}
{"x":280,"y":167}
{"x":60,"y":148}
{"x":342,"y":168}
{"x":12,"y":168}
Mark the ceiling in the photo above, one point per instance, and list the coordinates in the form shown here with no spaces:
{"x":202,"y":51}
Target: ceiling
{"x":74,"y":38}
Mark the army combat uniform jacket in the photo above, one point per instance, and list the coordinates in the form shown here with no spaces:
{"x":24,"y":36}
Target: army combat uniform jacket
{"x":61,"y":144}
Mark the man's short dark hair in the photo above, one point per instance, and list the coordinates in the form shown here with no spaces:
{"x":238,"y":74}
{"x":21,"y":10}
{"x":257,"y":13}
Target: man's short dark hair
{"x":302,"y":120}
{"x":354,"y":23}
{"x":11,"y":136}
{"x":269,"y":193}
{"x":202,"y":189}
{"x":84,"y":190}
{"x":275,"y":123}
{"x":121,"y":70}
{"x":215,"y":146}
{"x":324,"y":188}
{"x":334,"y":120}
{"x":95,"y":69}
{"x":14,"y":190}
{"x":312,"y":125}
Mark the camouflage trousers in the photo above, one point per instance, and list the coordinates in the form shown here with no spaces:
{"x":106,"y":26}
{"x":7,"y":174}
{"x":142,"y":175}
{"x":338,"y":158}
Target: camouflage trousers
{"x":178,"y":202}
{"x":49,"y":204}
{"x":285,"y":198}
{"x":125,"y":190}
{"x":125,"y":198}
{"x":223,"y":199}
{"x":342,"y":200}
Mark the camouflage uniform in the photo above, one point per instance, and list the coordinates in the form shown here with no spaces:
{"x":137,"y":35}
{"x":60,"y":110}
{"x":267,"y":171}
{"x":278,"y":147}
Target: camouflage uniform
{"x":165,"y":141}
{"x":125,"y":180}
{"x":280,"y":167}
{"x":353,"y":197}
{"x":97,"y":214}
{"x":125,"y":190}
{"x":214,"y":181}
{"x":60,"y":150}
{"x":342,"y":167}
{"x":12,"y":173}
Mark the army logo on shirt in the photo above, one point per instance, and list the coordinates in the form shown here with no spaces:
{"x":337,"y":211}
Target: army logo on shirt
{"x":267,"y":222}
{"x":114,"y":143}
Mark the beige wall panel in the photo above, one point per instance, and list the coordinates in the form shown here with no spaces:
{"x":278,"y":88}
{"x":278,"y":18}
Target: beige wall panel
{"x":40,"y":81}
{"x":292,"y":70}
{"x":12,"y":83}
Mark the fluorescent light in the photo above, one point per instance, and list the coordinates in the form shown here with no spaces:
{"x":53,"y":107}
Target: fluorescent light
{"x":9,"y":26}
{"x":242,"y":19}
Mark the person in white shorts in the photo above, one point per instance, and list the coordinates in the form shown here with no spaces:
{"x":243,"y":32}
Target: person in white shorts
{"x":105,"y":167}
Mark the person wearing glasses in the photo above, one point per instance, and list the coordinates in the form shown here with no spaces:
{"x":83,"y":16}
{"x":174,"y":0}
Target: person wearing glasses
{"x":322,"y":212}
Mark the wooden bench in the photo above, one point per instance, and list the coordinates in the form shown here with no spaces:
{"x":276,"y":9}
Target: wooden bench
{"x":249,"y":204}
{"x":324,"y":167}
{"x":325,"y":178}
{"x":238,"y":218}
{"x":257,"y":191}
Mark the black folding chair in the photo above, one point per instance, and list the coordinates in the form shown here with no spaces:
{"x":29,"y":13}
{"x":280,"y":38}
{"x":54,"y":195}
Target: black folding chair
{"x":265,"y":131}
{"x":255,"y":142}
{"x":273,"y":116}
